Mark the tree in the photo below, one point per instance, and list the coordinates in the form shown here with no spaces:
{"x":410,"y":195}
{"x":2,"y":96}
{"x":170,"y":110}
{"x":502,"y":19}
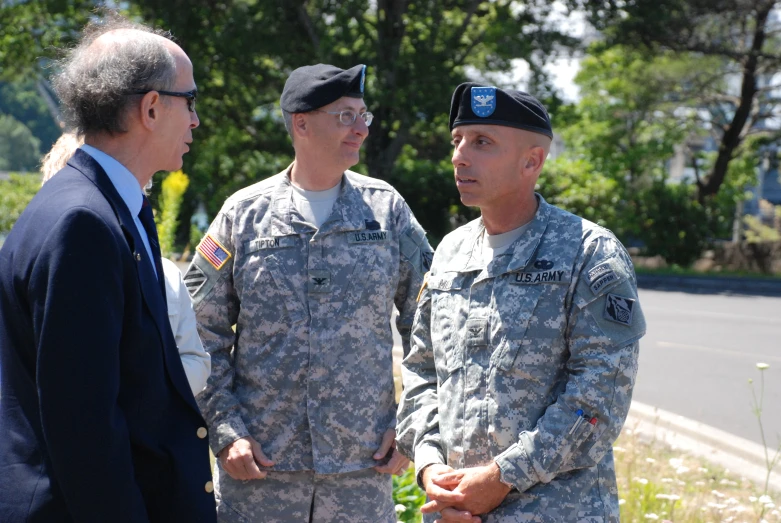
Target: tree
{"x":416,"y":53}
{"x":741,"y":35}
{"x":19,"y":149}
{"x":619,"y":140}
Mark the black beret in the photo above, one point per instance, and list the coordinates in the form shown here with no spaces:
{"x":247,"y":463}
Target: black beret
{"x":480,"y":104}
{"x":313,"y":86}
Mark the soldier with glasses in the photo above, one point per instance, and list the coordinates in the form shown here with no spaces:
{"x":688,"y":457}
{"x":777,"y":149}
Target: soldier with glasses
{"x":308,"y":266}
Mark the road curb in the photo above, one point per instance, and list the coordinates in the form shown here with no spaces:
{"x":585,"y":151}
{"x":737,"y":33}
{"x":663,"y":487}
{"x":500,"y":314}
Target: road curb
{"x":710,"y":284}
{"x":732,"y":452}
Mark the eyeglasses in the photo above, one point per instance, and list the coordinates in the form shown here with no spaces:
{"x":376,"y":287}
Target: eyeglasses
{"x":189,"y":96}
{"x":348,"y":116}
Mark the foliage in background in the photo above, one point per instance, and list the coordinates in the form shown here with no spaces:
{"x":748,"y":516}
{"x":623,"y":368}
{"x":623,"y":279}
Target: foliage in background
{"x":408,"y":497}
{"x":242,"y":52}
{"x":19,"y":149}
{"x":633,"y":116}
{"x":740,"y":39}
{"x":15,"y":193}
{"x":170,"y":203}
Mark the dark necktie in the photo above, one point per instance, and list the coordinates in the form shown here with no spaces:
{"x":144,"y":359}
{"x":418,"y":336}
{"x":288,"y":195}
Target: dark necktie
{"x":148,"y":221}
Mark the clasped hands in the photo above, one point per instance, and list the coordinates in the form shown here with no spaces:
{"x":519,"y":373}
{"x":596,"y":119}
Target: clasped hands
{"x":460,"y":495}
{"x":243,"y":458}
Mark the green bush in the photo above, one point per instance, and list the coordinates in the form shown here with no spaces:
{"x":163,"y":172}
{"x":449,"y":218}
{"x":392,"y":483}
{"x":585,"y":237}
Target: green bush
{"x":406,"y":493}
{"x":15,"y":193}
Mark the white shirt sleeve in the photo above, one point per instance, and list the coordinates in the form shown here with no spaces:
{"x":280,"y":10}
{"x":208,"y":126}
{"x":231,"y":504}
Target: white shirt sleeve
{"x":196,"y":361}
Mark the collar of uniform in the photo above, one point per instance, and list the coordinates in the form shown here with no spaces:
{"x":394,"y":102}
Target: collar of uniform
{"x":524,"y":247}
{"x":349,"y":206}
{"x":282,"y":208}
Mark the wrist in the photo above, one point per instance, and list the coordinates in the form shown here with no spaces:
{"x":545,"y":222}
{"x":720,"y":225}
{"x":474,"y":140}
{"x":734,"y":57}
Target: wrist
{"x":497,"y":471}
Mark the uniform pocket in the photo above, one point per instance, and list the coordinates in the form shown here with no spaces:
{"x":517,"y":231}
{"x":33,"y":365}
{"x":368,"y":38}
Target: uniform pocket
{"x":516,"y":306}
{"x":295,"y":309}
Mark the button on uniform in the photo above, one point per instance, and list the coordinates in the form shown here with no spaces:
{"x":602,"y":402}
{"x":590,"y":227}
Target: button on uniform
{"x":201,"y":432}
{"x":209,"y":487}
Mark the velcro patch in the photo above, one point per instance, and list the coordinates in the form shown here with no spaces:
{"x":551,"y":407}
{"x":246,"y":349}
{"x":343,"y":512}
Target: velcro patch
{"x":619,"y":309}
{"x":319,"y":281}
{"x":422,"y":286}
{"x":368,"y":236}
{"x":522,"y":278}
{"x":214,"y":252}
{"x":194,"y":280}
{"x":601,"y":281}
{"x":477,"y":331}
{"x":598,"y":271}
{"x":274,"y":242}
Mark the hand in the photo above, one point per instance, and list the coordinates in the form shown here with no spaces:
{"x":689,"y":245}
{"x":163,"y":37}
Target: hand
{"x":445,"y":497}
{"x":453,"y":515}
{"x":240,"y":459}
{"x":479,"y":487}
{"x":397,"y":463}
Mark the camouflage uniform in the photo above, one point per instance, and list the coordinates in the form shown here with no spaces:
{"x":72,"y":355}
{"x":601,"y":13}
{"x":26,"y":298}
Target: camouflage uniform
{"x":508,"y":359}
{"x":310,"y":375}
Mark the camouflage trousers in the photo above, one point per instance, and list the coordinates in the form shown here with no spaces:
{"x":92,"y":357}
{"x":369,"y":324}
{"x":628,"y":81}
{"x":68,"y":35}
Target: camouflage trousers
{"x":363,"y":496}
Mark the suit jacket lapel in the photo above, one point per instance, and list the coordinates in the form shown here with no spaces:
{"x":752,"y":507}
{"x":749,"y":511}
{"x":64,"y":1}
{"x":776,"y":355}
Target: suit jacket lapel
{"x":147,"y":280}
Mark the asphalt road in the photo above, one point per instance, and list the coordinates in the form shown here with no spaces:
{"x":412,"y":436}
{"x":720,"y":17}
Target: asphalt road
{"x":701,"y":350}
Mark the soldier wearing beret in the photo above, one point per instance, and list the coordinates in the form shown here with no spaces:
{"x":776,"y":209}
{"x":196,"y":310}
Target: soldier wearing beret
{"x":308,"y":266}
{"x":525,"y":344}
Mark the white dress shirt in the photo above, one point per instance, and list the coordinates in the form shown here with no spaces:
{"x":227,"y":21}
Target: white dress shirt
{"x":196,"y":361}
{"x":129,"y":190}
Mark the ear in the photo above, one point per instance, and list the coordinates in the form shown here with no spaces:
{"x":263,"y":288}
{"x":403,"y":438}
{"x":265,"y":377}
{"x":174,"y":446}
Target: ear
{"x":535,"y":158}
{"x":300,"y":125}
{"x":150,"y":110}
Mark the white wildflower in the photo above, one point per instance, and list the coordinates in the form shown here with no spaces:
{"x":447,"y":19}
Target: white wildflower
{"x":667,"y":480}
{"x":732,"y":501}
{"x":768,"y":506}
{"x":699,"y":483}
{"x":619,"y":450}
{"x":669,"y":497}
{"x":400,"y":508}
{"x":717,"y":494}
{"x":752,"y":498}
{"x":729,"y":482}
{"x":642,"y":481}
{"x":765,"y":499}
{"x":621,"y":501}
{"x":682,"y":470}
{"x":703,"y":470}
{"x":763,"y":366}
{"x":676,"y":462}
{"x":650,"y":460}
{"x":651,"y":516}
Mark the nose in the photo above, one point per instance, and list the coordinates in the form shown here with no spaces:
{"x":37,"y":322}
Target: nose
{"x":194,"y":120}
{"x":360,"y":128}
{"x":459,"y":158}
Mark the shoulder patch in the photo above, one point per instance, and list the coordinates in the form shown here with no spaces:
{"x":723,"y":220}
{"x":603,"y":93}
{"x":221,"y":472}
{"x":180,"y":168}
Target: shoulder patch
{"x":194,"y":279}
{"x":213,"y":251}
{"x":619,"y":309}
{"x":422,"y":286}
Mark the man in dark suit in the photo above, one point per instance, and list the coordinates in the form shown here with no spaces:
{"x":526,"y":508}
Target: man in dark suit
{"x":98,"y":421}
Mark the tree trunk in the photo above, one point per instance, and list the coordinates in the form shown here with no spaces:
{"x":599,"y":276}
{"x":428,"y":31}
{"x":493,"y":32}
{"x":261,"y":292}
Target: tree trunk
{"x":733,"y":135}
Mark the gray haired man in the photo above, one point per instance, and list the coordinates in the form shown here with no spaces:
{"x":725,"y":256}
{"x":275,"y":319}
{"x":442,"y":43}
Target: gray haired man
{"x":99,"y":422}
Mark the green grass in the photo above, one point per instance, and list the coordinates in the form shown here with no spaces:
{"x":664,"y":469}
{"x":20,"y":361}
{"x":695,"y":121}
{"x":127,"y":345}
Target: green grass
{"x":655,"y":483}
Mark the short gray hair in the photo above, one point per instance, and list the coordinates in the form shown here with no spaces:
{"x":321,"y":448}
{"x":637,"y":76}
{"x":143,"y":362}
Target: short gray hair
{"x":94,"y":84}
{"x":288,"y":118}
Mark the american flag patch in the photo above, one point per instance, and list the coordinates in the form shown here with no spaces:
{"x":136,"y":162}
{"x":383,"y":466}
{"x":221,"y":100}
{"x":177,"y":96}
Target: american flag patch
{"x":213,"y":251}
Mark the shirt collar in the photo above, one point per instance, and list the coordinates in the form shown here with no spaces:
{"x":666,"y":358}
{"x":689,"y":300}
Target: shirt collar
{"x":124,"y":182}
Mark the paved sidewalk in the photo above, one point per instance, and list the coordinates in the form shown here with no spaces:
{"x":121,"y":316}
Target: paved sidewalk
{"x":739,"y":455}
